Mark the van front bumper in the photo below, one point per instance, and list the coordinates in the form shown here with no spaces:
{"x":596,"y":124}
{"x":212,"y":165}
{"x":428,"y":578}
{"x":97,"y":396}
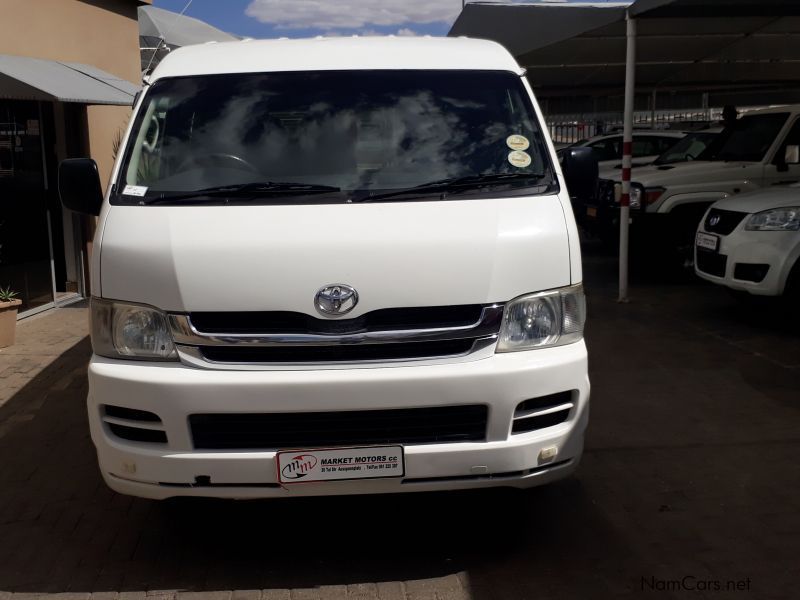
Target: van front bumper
{"x":173,"y":392}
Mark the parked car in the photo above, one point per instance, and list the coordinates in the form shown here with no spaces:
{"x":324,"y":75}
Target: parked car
{"x":599,"y":217}
{"x":318,"y":272}
{"x":751,"y":242}
{"x":669,"y":200}
{"x":688,"y":148}
{"x":647,"y":146}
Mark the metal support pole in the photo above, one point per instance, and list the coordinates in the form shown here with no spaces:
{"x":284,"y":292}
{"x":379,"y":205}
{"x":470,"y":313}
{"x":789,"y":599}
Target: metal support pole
{"x":627,"y":149}
{"x":653,"y":110}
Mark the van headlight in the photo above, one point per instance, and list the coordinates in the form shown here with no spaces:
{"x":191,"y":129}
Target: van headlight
{"x":777,"y":219}
{"x":544,"y":319}
{"x":133,"y":331}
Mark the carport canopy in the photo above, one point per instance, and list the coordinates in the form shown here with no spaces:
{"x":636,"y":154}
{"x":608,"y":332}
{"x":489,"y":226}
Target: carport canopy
{"x":27,"y":78}
{"x":701,"y":45}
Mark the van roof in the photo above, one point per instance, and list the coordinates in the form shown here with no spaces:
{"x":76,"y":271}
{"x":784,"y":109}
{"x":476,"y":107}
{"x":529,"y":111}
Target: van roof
{"x":336,"y":54}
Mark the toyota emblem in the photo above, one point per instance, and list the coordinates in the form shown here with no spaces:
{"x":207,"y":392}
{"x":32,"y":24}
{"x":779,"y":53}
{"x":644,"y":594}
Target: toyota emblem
{"x":336,"y":299}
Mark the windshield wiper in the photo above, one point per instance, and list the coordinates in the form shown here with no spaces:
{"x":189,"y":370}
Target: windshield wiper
{"x":455,"y":184}
{"x":244,"y":190}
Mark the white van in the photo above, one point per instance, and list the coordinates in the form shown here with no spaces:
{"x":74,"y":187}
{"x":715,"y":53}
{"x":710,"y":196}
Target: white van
{"x":335,"y":266}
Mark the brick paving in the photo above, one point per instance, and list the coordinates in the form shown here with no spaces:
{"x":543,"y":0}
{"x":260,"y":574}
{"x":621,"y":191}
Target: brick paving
{"x":690,"y":471}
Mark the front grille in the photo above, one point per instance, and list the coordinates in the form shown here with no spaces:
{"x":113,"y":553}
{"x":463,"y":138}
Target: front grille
{"x":724,"y":221}
{"x":354,"y":353}
{"x":244,"y":339}
{"x":276,"y":431}
{"x":605,"y":192}
{"x":541,"y":412}
{"x":711,"y":263}
{"x":378,"y":320}
{"x":754,"y":272}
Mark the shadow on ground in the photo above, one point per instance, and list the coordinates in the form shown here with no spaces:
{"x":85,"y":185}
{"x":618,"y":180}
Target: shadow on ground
{"x":690,"y":470}
{"x":62,"y":530}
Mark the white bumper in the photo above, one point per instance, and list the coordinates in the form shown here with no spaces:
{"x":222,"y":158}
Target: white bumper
{"x":779,"y":250}
{"x":174,"y":391}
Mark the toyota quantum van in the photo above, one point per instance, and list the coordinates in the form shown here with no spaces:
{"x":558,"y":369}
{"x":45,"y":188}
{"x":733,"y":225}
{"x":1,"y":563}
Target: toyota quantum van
{"x":335,"y":266}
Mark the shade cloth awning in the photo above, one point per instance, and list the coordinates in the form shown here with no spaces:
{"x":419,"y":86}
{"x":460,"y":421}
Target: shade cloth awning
{"x":27,"y":78}
{"x":702,"y":45}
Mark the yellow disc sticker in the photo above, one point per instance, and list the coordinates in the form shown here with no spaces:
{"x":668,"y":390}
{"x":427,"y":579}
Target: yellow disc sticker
{"x":518,"y":142}
{"x":519,"y":159}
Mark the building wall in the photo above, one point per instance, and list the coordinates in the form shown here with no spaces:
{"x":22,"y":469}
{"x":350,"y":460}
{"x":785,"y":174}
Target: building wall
{"x":103,"y":33}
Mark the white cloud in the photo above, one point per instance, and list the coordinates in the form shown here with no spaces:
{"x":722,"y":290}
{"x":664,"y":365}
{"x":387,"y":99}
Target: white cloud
{"x":406,"y":32}
{"x":351,"y":14}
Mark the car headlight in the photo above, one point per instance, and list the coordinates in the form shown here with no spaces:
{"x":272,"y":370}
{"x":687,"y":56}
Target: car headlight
{"x":777,"y":219}
{"x":636,"y":196}
{"x":132,"y":331}
{"x":543,"y":320}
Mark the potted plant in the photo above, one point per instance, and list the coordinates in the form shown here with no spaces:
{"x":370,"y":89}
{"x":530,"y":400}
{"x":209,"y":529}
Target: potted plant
{"x":9,"y":304}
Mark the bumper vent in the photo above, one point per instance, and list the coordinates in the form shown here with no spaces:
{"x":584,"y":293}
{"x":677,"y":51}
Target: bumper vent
{"x":277,"y":431}
{"x":542,"y":412}
{"x":134,"y":425}
{"x":724,"y":221}
{"x":712,"y":263}
{"x":750,"y":272}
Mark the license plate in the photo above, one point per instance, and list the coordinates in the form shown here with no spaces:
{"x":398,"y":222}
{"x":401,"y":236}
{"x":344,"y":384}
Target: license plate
{"x":338,"y":464}
{"x":707,"y":241}
{"x":591,"y":211}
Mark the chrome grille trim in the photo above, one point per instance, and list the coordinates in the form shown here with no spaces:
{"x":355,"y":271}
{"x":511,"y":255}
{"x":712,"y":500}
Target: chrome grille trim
{"x":193,"y":356}
{"x":185,"y":334}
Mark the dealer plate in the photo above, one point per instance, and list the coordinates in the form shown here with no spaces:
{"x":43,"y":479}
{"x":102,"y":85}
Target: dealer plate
{"x":337,"y":464}
{"x":707,"y":241}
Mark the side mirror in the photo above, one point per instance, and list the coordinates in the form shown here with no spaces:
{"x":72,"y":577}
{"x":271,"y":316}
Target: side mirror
{"x":79,"y":186}
{"x":581,"y":172}
{"x":792,"y":155}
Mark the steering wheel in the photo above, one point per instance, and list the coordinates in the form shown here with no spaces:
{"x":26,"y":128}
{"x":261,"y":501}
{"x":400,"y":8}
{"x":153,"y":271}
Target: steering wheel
{"x":148,"y":143}
{"x":236,"y":162}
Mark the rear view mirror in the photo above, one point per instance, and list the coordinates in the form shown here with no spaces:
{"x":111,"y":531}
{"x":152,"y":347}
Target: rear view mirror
{"x":581,"y":172}
{"x":79,"y":186}
{"x":792,"y":155}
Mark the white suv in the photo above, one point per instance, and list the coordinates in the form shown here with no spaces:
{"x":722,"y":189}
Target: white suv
{"x":335,"y":266}
{"x":751,"y":242}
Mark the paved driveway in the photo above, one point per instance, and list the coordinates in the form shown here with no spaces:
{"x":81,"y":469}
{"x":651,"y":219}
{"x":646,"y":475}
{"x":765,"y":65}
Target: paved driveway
{"x":691,"y":479}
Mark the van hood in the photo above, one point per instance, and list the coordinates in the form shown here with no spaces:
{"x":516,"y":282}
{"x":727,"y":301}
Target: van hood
{"x":275,"y":258}
{"x":687,"y":173}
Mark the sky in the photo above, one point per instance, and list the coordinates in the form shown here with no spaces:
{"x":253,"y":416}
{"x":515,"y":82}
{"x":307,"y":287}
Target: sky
{"x":303,"y":18}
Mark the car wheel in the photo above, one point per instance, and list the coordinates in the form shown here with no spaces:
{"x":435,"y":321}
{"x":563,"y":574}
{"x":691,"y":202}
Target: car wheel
{"x":792,"y":289}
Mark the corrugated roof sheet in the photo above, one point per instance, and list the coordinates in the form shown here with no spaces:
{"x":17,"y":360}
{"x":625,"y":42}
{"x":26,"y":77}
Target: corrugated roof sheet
{"x":28,"y":78}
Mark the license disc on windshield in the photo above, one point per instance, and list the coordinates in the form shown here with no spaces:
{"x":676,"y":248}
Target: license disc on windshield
{"x":338,"y":464}
{"x":707,"y":241}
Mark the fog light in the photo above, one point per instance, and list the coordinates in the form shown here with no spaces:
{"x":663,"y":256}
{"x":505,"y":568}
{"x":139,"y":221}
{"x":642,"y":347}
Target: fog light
{"x":548,"y":454}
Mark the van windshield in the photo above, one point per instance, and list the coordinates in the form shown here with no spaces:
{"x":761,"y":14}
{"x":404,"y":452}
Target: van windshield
{"x":334,"y":131}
